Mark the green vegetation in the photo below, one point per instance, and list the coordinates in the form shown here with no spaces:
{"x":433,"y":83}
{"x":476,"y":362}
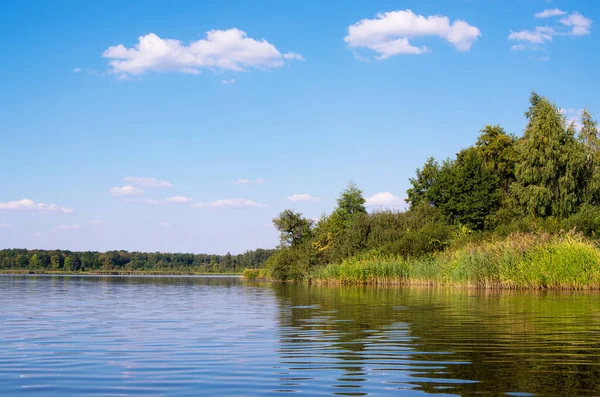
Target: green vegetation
{"x":515,"y":212}
{"x":123,"y":262}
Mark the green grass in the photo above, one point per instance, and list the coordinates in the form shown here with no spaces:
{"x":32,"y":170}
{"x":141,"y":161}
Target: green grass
{"x":534,"y":261}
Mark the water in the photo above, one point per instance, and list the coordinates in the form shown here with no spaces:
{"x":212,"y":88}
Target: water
{"x":191,"y":336}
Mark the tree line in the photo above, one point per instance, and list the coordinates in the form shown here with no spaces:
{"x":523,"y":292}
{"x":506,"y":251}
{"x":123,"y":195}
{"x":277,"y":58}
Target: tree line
{"x":123,"y":261}
{"x":546,"y":180}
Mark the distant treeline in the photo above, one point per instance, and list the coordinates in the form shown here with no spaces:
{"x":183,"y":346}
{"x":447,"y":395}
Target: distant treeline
{"x":123,"y":261}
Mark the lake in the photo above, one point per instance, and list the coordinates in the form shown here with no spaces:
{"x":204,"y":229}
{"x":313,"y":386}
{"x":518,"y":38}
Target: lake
{"x":191,"y":336}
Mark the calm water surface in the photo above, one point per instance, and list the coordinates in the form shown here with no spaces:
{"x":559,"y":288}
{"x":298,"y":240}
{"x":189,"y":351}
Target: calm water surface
{"x":191,"y":336}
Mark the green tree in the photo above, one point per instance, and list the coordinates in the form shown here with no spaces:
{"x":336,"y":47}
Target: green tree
{"x":420,"y":193}
{"x":292,"y":227}
{"x":588,"y":136}
{"x":349,"y":203}
{"x":550,"y":163}
{"x":498,"y":152}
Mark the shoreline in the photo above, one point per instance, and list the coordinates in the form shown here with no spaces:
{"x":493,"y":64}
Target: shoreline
{"x":110,"y":273}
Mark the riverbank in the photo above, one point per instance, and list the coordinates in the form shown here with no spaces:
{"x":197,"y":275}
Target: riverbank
{"x":520,"y":261}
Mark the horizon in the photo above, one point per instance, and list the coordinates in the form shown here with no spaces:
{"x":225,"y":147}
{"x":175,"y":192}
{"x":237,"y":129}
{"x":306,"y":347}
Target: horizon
{"x":186,"y":128}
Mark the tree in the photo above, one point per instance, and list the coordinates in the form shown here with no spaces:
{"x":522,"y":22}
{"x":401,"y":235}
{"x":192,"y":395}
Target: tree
{"x":471,"y":191}
{"x":588,"y":136}
{"x":292,"y":227}
{"x":550,"y":163}
{"x":498,"y":152}
{"x":420,"y":192}
{"x":350,"y":203}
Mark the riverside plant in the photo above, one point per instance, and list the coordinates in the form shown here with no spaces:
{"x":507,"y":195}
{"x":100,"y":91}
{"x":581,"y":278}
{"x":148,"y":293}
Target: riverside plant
{"x":521,"y":261}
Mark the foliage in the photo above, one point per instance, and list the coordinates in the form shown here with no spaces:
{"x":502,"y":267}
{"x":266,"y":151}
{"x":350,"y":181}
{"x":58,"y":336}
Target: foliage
{"x":123,"y":261}
{"x":293,"y":227}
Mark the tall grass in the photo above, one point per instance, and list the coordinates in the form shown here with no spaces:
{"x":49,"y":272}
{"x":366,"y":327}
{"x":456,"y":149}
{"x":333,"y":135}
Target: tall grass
{"x":522,"y":260}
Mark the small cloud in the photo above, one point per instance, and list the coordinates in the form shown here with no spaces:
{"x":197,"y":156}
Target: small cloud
{"x":388,"y":34}
{"x":292,"y":56}
{"x":385,"y":199}
{"x":65,"y":227}
{"x":179,"y":199}
{"x":95,"y":222}
{"x":544,"y":59}
{"x":359,"y":57}
{"x":242,"y":182}
{"x":573,"y":116}
{"x":165,"y":225}
{"x":37,"y":234}
{"x":302,"y":197}
{"x":230,"y":203}
{"x":553,"y":12}
{"x":260,"y":181}
{"x":126,"y":191}
{"x":230,"y":50}
{"x":228,"y":81}
{"x":29,"y":205}
{"x":580,"y":25}
{"x":5,"y":226}
{"x":76,"y":70}
{"x":147,"y":182}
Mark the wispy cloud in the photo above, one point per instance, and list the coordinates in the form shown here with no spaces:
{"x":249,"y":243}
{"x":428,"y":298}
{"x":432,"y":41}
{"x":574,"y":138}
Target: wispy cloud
{"x":95,"y":222}
{"x":76,"y":70}
{"x":30,"y":205}
{"x":230,"y":49}
{"x":302,"y":197}
{"x":147,"y":182}
{"x":388,"y":34}
{"x":37,"y":234}
{"x":126,"y":191}
{"x":5,"y":226}
{"x":230,"y":203}
{"x":228,"y":81}
{"x":246,"y":181}
{"x":65,"y":227}
{"x":549,"y":13}
{"x":179,"y":200}
{"x":165,"y":225}
{"x":574,"y":24}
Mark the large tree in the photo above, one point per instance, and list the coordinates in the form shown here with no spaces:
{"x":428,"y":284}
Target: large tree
{"x":550,"y":163}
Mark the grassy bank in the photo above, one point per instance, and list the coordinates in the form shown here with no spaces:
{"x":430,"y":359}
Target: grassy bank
{"x":520,"y":261}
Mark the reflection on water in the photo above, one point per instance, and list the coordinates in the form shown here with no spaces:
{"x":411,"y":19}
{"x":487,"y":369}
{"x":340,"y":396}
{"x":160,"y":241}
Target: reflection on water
{"x":189,"y":336}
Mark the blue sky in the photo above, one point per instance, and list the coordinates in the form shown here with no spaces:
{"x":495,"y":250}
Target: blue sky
{"x":157,"y":147}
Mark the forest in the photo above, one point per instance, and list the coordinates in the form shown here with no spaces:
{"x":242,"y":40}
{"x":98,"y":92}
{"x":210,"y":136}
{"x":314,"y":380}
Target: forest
{"x":128,"y":262}
{"x":519,"y":211}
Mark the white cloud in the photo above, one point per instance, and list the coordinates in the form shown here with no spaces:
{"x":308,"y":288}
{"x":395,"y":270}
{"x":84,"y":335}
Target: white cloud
{"x":228,"y":81}
{"x":5,"y":226}
{"x":147,"y":182}
{"x":230,"y":203}
{"x":385,"y":199}
{"x":246,"y":181}
{"x":580,"y":25}
{"x":29,"y":205}
{"x":37,"y":234}
{"x":125,"y":191}
{"x":552,"y":12}
{"x":65,"y":227}
{"x":573,"y":116}
{"x":544,"y":59}
{"x":292,"y":56}
{"x":165,"y":225}
{"x":76,"y":70}
{"x":95,"y":222}
{"x":179,"y":199}
{"x":389,"y":33}
{"x":302,"y":197}
{"x":230,"y":49}
{"x":540,"y":35}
